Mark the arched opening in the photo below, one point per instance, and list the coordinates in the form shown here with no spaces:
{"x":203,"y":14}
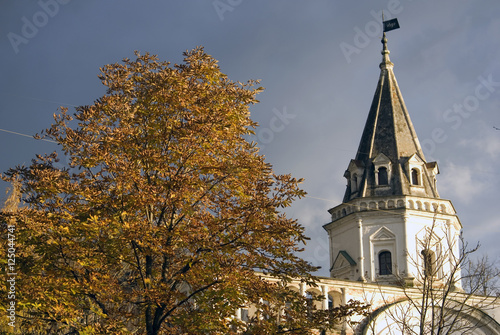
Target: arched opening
{"x":313,"y":299}
{"x":334,"y":299}
{"x":385,"y":263}
{"x":382,"y":176}
{"x":415,"y":176}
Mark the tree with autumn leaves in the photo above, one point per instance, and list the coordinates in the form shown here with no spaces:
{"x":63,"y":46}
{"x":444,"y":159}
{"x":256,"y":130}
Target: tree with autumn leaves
{"x":165,"y":216}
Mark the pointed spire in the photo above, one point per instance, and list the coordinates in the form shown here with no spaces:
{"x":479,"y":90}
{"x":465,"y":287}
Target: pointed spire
{"x":390,"y":160}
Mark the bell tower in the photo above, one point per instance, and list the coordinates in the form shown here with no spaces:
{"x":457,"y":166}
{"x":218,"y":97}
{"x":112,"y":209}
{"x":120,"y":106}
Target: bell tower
{"x":392,"y":226}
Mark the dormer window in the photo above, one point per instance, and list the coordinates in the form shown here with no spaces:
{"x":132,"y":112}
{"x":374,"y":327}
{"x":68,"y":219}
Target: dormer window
{"x":354,"y":176}
{"x":416,"y":167}
{"x":382,"y":176}
{"x":382,"y":166}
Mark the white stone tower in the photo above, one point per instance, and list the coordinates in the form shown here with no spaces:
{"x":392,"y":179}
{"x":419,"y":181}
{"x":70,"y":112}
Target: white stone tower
{"x":392,"y":225}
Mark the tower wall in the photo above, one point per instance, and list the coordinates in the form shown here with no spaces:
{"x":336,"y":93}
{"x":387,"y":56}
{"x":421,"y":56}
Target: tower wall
{"x":402,"y":226}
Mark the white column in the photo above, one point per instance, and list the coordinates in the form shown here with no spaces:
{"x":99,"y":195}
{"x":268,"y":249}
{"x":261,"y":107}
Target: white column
{"x":406,"y":251}
{"x":302,"y":289}
{"x":238,"y":314}
{"x":361,"y":253}
{"x":324,"y":290}
{"x":453,"y":258}
{"x":344,"y":320}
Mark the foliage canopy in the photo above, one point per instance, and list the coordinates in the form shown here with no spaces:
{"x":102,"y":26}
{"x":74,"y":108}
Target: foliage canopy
{"x":165,"y":215}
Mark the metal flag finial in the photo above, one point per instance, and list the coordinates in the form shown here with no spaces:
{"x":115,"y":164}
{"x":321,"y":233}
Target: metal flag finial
{"x":389,"y":24}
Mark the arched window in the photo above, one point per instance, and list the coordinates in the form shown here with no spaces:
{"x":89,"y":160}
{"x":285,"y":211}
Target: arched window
{"x":382,"y":176}
{"x":415,"y":176}
{"x":385,"y":263}
{"x":429,"y":262}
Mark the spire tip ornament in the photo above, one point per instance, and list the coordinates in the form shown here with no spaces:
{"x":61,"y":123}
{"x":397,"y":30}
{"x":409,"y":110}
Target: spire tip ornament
{"x":386,"y":61}
{"x":388,"y":26}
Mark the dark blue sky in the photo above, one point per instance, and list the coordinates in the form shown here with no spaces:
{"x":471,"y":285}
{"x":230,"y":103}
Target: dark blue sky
{"x":318,"y":61}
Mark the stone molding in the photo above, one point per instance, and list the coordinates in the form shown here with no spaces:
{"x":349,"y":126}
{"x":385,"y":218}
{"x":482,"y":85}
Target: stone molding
{"x":423,"y":204}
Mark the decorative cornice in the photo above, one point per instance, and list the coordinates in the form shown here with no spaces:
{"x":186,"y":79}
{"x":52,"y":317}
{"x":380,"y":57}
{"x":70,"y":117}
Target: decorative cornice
{"x":423,"y":204}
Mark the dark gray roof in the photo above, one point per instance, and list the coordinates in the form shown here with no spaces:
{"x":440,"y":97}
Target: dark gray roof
{"x":346,"y":256}
{"x":389,"y":131}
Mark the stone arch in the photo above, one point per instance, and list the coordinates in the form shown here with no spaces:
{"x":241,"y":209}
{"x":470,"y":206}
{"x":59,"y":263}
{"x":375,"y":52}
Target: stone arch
{"x":334,"y":299}
{"x":393,"y":317}
{"x":313,"y":291}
